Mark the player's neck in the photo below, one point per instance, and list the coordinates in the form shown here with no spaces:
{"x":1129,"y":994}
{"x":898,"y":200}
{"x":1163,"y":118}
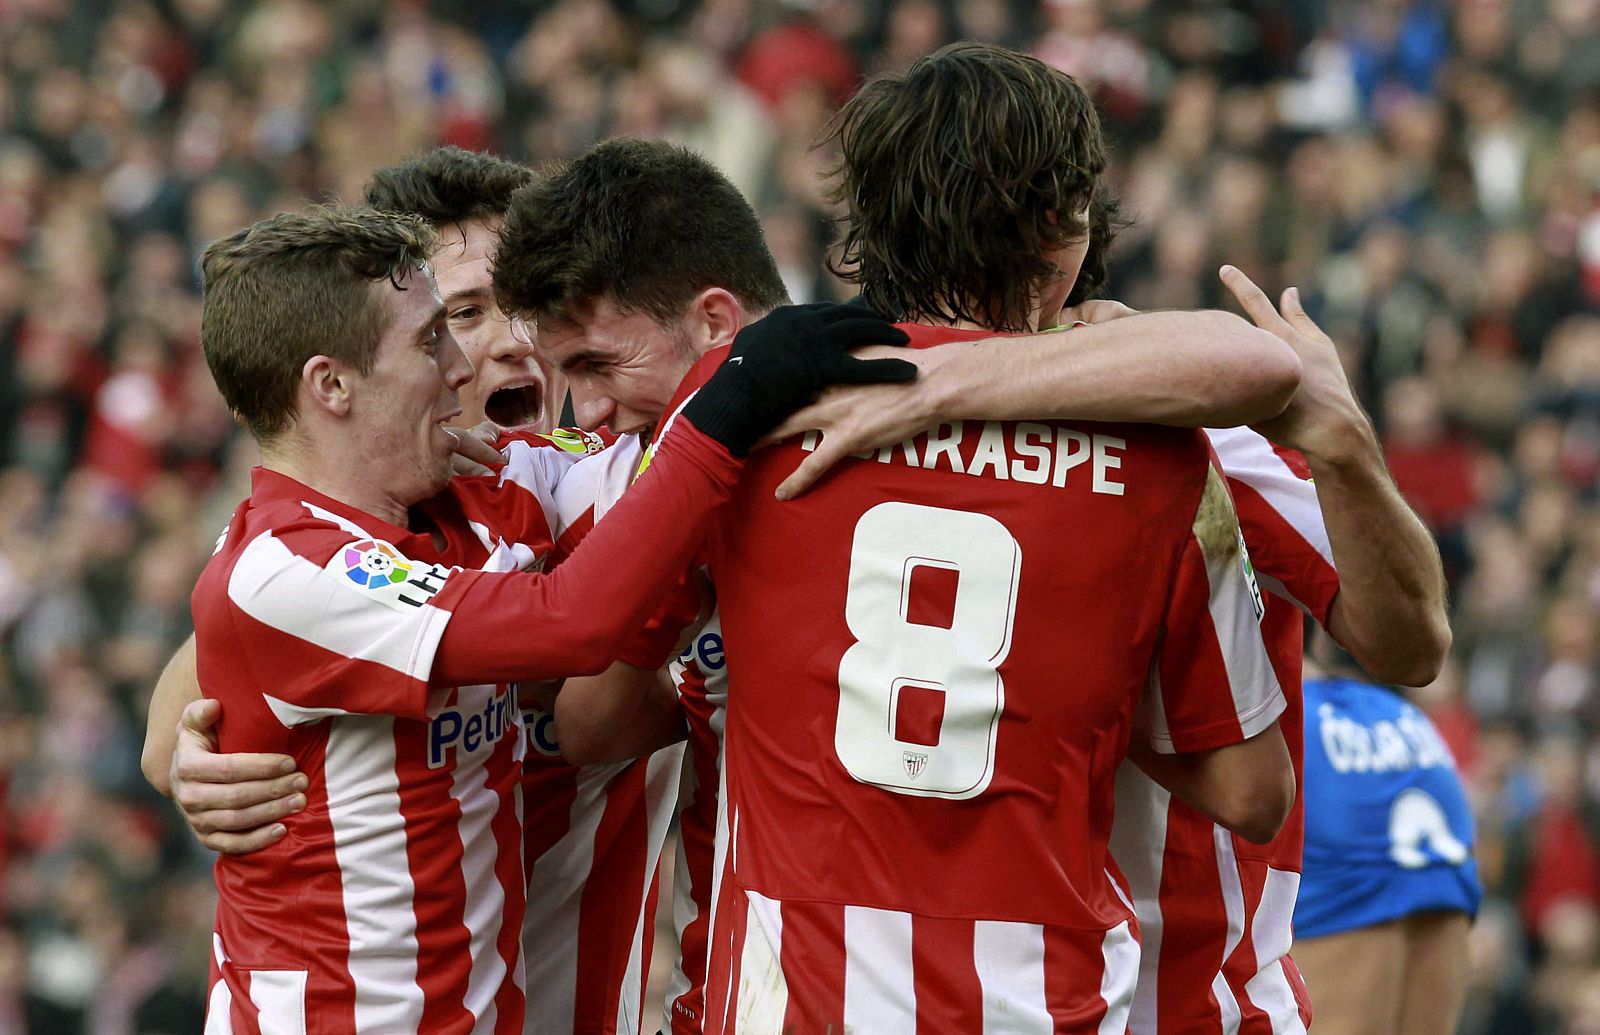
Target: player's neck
{"x":336,"y":477}
{"x":1041,"y":316}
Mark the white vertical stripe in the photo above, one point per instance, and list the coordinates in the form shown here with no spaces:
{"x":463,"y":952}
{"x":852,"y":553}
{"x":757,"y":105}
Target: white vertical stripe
{"x":662,"y":770}
{"x":1139,"y":844}
{"x":1232,"y":601}
{"x":219,"y":1006}
{"x":879,"y":989}
{"x":486,"y":899}
{"x":555,"y":897}
{"x":369,"y":842}
{"x":1009,"y":958}
{"x":763,"y":995}
{"x":1270,"y":932}
{"x":280,"y":998}
{"x":1119,"y":955}
{"x":684,"y":907}
{"x":1233,"y":906}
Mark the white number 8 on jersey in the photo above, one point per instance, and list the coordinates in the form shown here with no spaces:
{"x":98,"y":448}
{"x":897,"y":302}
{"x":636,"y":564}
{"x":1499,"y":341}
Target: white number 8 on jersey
{"x":936,"y":672}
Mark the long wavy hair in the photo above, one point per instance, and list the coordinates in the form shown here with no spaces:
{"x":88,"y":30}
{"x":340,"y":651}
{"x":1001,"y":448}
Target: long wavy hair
{"x":960,"y":176}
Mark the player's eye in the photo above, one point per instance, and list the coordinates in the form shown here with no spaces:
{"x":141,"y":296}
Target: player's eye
{"x":466,"y":314}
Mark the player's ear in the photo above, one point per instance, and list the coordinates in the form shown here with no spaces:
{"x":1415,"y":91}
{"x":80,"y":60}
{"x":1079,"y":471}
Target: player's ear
{"x":715,"y":316}
{"x":327,"y":382}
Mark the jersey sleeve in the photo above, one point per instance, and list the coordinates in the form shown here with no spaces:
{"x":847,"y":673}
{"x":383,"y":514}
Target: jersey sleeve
{"x":1281,"y":518}
{"x":1212,"y":683}
{"x":331,"y":623}
{"x":573,"y":621}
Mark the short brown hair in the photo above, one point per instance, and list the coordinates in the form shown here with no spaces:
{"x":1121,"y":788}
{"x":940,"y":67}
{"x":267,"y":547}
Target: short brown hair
{"x":448,"y":185}
{"x":958,"y":175}
{"x":297,"y":285}
{"x":646,"y":223}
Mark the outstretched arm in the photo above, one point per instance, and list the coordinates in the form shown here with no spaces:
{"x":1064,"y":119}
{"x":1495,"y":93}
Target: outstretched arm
{"x":1191,"y":369}
{"x":1390,"y":610}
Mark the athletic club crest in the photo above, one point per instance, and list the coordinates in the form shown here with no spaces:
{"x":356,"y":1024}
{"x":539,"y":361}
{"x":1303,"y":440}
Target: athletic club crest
{"x":915,"y":762}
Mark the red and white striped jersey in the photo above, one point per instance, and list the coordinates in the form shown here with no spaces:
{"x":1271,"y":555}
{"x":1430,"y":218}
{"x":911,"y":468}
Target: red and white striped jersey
{"x":395,"y":903}
{"x":981,"y":613}
{"x":1215,"y":911}
{"x":594,"y":834}
{"x":700,"y":673}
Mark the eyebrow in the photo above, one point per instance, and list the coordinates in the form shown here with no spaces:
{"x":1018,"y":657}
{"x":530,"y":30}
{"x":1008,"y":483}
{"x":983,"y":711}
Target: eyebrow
{"x":465,"y":293}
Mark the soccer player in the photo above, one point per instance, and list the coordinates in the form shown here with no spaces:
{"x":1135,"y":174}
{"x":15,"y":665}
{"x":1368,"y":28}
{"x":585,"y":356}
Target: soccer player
{"x":1390,"y":885}
{"x":586,"y":946}
{"x":991,"y":616}
{"x":326,"y":620}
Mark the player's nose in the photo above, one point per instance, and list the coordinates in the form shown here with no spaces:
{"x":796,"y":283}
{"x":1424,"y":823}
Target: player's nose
{"x":591,"y":411}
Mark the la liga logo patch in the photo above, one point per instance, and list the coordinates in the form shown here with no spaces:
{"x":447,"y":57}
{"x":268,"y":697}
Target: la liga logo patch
{"x":371,"y":564}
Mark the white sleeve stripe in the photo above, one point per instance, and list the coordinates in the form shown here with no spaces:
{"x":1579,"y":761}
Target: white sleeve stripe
{"x":1234,"y":606}
{"x":1248,"y":457}
{"x":286,"y":592}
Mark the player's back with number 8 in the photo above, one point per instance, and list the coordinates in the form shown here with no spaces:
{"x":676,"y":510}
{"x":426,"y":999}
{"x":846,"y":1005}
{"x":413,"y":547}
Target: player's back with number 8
{"x":975,"y":625}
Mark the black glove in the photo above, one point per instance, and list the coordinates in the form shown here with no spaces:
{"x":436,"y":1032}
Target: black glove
{"x":780,"y":362}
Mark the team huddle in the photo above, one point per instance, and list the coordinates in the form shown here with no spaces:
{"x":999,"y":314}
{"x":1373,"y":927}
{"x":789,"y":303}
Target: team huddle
{"x":964,"y":648}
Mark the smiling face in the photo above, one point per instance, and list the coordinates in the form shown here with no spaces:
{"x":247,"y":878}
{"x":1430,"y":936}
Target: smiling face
{"x":399,"y":409}
{"x":512,"y":387}
{"x":622,"y":367}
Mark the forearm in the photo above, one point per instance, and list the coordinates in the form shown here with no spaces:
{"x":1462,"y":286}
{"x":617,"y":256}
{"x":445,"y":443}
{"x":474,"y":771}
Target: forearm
{"x":1248,"y":787}
{"x":1203,"y":369}
{"x":177,"y":686}
{"x":511,"y":626}
{"x":620,"y":714}
{"x":1390,"y":610}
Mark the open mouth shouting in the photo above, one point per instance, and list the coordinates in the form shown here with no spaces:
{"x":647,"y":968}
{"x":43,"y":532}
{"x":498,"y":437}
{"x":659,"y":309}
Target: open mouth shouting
{"x":516,"y":406}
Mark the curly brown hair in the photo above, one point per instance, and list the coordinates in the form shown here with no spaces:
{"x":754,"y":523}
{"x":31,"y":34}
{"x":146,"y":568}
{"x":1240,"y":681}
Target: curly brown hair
{"x":959,"y":176}
{"x":297,"y":285}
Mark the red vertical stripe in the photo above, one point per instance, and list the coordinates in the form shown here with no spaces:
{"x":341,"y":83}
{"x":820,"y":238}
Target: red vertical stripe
{"x":1074,"y":965}
{"x":945,"y":975}
{"x":1194,"y":925}
{"x":1240,"y":966}
{"x":242,"y":1011}
{"x":548,"y":791}
{"x":812,"y":958}
{"x":724,"y":948}
{"x":612,"y":899}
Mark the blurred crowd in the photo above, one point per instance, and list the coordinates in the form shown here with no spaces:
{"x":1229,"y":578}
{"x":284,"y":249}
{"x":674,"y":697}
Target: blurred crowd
{"x":1428,"y":174}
